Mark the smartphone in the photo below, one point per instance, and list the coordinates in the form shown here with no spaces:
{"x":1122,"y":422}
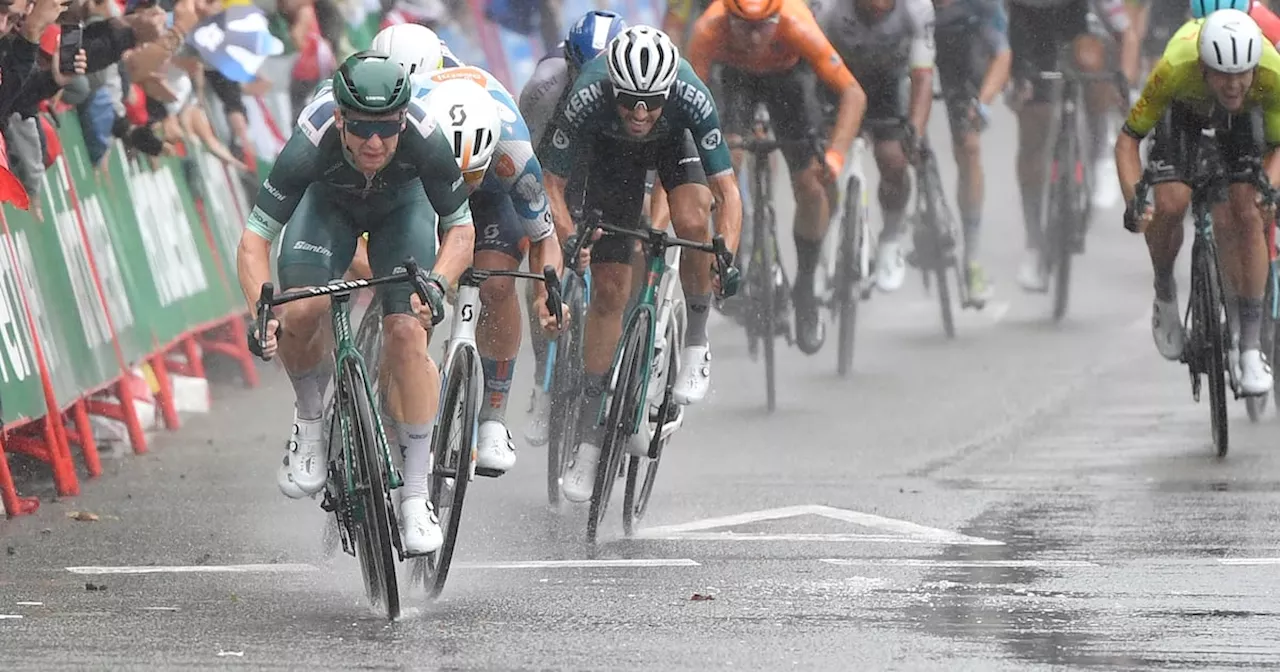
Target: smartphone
{"x":72,"y":37}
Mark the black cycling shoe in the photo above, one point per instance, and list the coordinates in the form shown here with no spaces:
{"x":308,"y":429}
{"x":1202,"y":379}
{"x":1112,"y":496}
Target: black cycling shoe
{"x":811,"y":330}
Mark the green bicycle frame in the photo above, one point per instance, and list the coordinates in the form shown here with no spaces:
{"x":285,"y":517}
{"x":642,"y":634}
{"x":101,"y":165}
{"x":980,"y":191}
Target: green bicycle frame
{"x":344,"y":350}
{"x":648,"y":303}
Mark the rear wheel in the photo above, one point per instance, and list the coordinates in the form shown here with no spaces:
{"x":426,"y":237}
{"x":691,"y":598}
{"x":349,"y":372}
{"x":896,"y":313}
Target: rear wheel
{"x":374,"y":515}
{"x":565,"y":383}
{"x":848,"y":276}
{"x":625,"y":398}
{"x":934,"y":258}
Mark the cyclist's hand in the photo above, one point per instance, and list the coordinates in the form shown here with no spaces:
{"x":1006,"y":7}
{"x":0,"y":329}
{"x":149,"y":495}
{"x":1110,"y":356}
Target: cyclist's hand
{"x":834,"y":162}
{"x":1136,"y":220}
{"x":726,"y":281}
{"x":584,"y":254}
{"x":547,"y":321}
{"x":270,"y":346}
{"x":979,"y":116}
{"x":1266,"y":204}
{"x":431,"y":312}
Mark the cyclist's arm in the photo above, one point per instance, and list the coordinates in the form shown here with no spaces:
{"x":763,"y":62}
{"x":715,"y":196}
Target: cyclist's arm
{"x":432,"y":156}
{"x":825,"y":61}
{"x":995,"y":32}
{"x":1145,"y":114}
{"x":571,"y":129}
{"x":704,"y":123}
{"x":1271,"y":125}
{"x":923,"y":54}
{"x":277,"y":198}
{"x":1116,"y":17}
{"x":539,"y":97}
{"x":523,"y":182}
{"x":704,"y":42}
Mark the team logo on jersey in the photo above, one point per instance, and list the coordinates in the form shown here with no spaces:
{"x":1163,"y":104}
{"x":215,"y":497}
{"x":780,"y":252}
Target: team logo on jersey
{"x":559,"y":140}
{"x":711,"y":140}
{"x":506,"y":166}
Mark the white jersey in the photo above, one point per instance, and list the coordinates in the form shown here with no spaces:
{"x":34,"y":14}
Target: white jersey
{"x":540,"y":98}
{"x":901,"y":39}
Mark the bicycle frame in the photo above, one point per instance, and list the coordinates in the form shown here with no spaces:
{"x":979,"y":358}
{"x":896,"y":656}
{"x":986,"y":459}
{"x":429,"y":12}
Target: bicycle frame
{"x":854,"y":169}
{"x":344,"y":350}
{"x":462,"y":335}
{"x":647,"y":303}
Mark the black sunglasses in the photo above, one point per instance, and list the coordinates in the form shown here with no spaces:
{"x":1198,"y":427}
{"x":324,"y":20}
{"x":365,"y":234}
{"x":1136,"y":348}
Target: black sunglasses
{"x":367,"y":128}
{"x":629,"y":100}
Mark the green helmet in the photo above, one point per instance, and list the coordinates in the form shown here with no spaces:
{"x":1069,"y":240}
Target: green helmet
{"x":371,"y":83}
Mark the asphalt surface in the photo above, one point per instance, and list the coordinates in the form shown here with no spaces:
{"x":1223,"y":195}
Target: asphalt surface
{"x":1028,"y":496}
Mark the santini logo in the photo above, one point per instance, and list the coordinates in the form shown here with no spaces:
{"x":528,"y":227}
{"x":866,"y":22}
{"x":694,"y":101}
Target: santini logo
{"x":308,"y":247}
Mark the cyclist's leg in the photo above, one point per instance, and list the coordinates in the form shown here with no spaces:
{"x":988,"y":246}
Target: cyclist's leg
{"x":1172,"y":158}
{"x":1033,"y":37}
{"x":401,"y":230}
{"x":615,"y":187}
{"x":1242,"y":244}
{"x":961,"y":67}
{"x":499,"y":246}
{"x":886,"y":108}
{"x":360,"y":262}
{"x":794,"y":108}
{"x":680,"y":170}
{"x":317,"y":247}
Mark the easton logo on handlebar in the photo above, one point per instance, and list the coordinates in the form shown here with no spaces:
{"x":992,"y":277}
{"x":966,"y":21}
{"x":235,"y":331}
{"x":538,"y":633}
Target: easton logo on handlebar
{"x":338,"y":286}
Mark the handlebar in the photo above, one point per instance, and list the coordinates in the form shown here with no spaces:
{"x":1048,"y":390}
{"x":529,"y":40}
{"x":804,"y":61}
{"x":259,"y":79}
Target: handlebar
{"x":656,"y":240}
{"x":474,"y":277}
{"x":762,"y":146}
{"x":1269,"y":195}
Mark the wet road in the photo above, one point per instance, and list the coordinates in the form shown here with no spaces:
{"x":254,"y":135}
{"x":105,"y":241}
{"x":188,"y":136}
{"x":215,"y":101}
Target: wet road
{"x":1027,"y":496}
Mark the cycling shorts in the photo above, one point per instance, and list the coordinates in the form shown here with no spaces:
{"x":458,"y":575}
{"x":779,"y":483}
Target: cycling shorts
{"x":790,"y":98}
{"x":320,"y":239}
{"x":1176,"y":140}
{"x":1038,"y":34}
{"x":962,"y":65}
{"x":498,"y":227}
{"x":616,"y":184}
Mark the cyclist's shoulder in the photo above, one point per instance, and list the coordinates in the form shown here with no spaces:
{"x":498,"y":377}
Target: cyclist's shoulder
{"x":691,"y":97}
{"x":1268,"y":78}
{"x":799,"y":20}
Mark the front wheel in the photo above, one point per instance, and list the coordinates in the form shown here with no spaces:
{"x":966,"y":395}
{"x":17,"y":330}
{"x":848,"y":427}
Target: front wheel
{"x":642,"y":473}
{"x":624,"y":403}
{"x":848,"y":276}
{"x":1214,"y":347}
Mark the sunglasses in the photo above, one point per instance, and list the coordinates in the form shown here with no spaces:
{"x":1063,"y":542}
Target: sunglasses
{"x":367,"y":128}
{"x":629,"y":100}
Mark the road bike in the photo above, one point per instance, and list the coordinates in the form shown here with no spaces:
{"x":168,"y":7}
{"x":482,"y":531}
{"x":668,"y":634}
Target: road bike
{"x":934,"y":236}
{"x":846,"y":273}
{"x":562,"y":377}
{"x":1209,"y":338}
{"x":652,"y":337}
{"x":361,"y":473}
{"x":453,"y":441}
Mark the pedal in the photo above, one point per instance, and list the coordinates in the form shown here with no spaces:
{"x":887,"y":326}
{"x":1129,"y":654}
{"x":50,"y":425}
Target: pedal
{"x":488,"y":473}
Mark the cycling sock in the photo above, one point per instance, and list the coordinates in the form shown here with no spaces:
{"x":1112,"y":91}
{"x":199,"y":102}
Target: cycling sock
{"x":1250,"y":323}
{"x":1166,"y":287}
{"x":972,"y":222}
{"x":540,"y":347}
{"x":699,"y":306}
{"x":892,"y":224}
{"x":308,"y":388}
{"x":415,"y":445}
{"x":1031,"y":218}
{"x":593,"y":386}
{"x":497,"y":383}
{"x":806,"y":261}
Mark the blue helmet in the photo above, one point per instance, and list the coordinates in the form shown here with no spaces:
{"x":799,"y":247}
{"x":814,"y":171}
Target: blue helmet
{"x":589,"y":36}
{"x":1203,"y":8}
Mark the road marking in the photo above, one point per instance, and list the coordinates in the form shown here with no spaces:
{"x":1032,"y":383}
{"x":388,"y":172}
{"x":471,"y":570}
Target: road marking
{"x":31,"y":604}
{"x":193,"y":569}
{"x":10,"y":617}
{"x":909,"y":562}
{"x":586,"y":564}
{"x":898,"y":531}
{"x":1249,"y":561}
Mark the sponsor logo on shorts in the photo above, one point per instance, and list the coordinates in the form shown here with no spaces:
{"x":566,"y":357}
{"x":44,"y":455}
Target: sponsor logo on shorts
{"x":309,"y":247}
{"x":711,"y":140}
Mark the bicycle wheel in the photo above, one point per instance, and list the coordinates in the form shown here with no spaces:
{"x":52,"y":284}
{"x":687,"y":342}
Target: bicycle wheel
{"x":1065,"y":201}
{"x":1214,"y":346}
{"x":848,"y":275}
{"x":375,"y":513}
{"x":642,"y":473}
{"x":1257,"y":406}
{"x":935,"y":255}
{"x":625,"y":398}
{"x":453,"y":447}
{"x":369,"y":337}
{"x":766,"y":300}
{"x":565,"y":382}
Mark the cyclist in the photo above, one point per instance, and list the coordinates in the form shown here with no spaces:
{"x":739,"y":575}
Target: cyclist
{"x":768,"y":51}
{"x":881,"y":40}
{"x":1266,"y":19}
{"x":375,"y":162}
{"x":973,"y":66}
{"x":641,"y":107}
{"x":1215,"y":73}
{"x":1038,"y":31}
{"x":679,"y":19}
{"x":542,"y":97}
{"x":509,"y":203}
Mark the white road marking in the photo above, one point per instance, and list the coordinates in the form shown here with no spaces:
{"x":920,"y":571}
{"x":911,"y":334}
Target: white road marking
{"x":194,"y":569}
{"x":910,"y":562}
{"x":31,"y":604}
{"x":898,"y":531}
{"x":10,"y":617}
{"x":586,"y":564}
{"x":1249,"y":561}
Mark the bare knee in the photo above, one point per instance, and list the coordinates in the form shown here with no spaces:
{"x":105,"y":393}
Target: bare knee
{"x":404,"y":337}
{"x":610,"y":290}
{"x":690,"y":210}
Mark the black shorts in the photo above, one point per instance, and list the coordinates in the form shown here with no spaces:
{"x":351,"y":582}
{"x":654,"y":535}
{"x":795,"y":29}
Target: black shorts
{"x":1038,"y":34}
{"x":790,"y":97}
{"x":962,"y":65}
{"x":1176,"y":140}
{"x":616,"y":184}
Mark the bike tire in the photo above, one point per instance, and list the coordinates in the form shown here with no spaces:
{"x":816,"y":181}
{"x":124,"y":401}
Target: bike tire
{"x":565,"y":384}
{"x":1215,"y":348}
{"x":848,"y":275}
{"x":944,"y":301}
{"x":642,"y":473}
{"x":628,"y":391}
{"x":936,"y":258}
{"x":460,"y":404}
{"x":768,"y":324}
{"x":373,"y":524}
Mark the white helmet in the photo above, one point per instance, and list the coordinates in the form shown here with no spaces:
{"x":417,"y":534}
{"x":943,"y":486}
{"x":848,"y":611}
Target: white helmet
{"x":414,"y":46}
{"x":468,"y":117}
{"x":643,"y":60}
{"x":1230,"y":42}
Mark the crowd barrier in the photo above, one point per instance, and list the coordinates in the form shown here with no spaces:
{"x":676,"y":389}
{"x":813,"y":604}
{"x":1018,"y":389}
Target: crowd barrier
{"x":127,"y":284}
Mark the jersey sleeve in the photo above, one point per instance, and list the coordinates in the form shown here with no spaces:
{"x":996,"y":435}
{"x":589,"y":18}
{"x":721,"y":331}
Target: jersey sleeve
{"x":1268,"y":75}
{"x":923,"y":50}
{"x":995,"y":26}
{"x":539,"y":97}
{"x":803,"y":34}
{"x":284,"y":187}
{"x":520,"y":174}
{"x":694,"y":101}
{"x":1156,"y":96}
{"x":432,"y":155}
{"x":576,"y":120}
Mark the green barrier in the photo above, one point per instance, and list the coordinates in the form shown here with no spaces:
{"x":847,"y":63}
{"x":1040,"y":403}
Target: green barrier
{"x":21,"y":386}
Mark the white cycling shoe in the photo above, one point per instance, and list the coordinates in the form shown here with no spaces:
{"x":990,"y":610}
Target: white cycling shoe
{"x":1166,"y":329}
{"x":1031,"y":275}
{"x":891,"y":265}
{"x":305,"y":469}
{"x":580,"y":478}
{"x":495,"y":450}
{"x":1255,"y":375}
{"x":539,"y":427}
{"x":420,"y":526}
{"x":695,"y":375}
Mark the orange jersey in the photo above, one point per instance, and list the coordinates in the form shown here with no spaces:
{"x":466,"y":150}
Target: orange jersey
{"x":798,"y":36}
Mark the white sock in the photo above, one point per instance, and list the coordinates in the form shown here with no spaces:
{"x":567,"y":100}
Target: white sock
{"x":415,"y":442}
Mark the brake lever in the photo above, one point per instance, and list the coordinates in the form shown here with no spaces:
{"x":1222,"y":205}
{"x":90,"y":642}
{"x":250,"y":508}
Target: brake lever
{"x":264,"y":315}
{"x":416,"y":278}
{"x":554,"y":300}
